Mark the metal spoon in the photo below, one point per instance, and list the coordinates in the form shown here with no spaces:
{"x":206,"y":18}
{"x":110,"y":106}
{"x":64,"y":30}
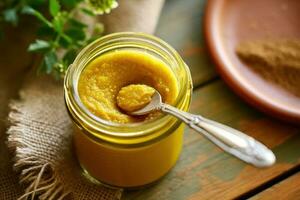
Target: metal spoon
{"x":230,"y":140}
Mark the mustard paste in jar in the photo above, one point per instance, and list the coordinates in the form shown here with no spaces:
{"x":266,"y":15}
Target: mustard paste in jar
{"x":103,"y":77}
{"x":126,"y":154}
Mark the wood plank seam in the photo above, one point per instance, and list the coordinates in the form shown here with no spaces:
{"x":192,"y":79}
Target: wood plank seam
{"x":270,"y":183}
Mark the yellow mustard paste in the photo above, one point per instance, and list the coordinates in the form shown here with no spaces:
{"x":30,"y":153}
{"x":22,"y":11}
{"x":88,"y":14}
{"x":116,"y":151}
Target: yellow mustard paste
{"x":134,"y":97}
{"x":102,"y":79}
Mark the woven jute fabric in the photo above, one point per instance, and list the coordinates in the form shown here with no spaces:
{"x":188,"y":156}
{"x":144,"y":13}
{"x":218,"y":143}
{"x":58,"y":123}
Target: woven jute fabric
{"x":40,"y":132}
{"x":41,"y":137}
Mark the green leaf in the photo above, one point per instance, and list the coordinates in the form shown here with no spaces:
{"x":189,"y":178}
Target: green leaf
{"x":64,"y":43}
{"x":58,"y":23}
{"x":70,"y":3}
{"x":69,"y":56}
{"x":39,"y":45}
{"x":88,"y":12}
{"x":10,"y":15}
{"x":74,"y":23}
{"x":30,"y":11}
{"x":54,"y":7}
{"x":50,"y":59}
{"x":76,"y":33}
{"x":35,"y":3}
{"x":45,"y":31}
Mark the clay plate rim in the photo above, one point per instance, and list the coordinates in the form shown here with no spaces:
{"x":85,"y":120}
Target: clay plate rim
{"x":210,"y":16}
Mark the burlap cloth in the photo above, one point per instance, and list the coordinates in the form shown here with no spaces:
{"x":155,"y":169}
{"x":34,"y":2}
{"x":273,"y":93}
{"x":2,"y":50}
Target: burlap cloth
{"x":40,"y":132}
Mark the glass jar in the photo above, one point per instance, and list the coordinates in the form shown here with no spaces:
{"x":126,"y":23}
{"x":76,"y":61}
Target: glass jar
{"x":127,"y":155}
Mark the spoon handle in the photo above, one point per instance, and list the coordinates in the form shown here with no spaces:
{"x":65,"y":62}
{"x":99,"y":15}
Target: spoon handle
{"x":230,"y":140}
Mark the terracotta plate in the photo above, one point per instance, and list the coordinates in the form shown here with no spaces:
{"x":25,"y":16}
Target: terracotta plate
{"x":227,"y":22}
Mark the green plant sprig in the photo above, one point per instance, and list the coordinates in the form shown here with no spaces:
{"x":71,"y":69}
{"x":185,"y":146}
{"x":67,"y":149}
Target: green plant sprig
{"x":60,"y":35}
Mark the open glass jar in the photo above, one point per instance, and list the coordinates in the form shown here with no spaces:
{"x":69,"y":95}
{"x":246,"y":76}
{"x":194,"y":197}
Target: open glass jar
{"x":127,"y":155}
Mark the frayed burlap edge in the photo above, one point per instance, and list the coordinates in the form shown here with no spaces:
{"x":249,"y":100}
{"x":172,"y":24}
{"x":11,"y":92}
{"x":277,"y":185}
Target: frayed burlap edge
{"x":56,"y":175}
{"x":39,"y":176}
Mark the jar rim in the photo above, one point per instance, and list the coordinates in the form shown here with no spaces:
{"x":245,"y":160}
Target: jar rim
{"x":114,"y":129}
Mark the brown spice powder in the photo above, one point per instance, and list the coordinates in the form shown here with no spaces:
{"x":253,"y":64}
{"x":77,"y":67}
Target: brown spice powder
{"x":277,"y":61}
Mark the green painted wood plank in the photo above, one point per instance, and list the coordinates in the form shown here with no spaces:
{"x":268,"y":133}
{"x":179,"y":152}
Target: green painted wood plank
{"x":180,"y":25}
{"x":204,"y":171}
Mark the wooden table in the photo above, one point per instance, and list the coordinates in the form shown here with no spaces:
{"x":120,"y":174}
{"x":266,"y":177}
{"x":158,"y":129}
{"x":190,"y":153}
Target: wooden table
{"x":204,"y":171}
